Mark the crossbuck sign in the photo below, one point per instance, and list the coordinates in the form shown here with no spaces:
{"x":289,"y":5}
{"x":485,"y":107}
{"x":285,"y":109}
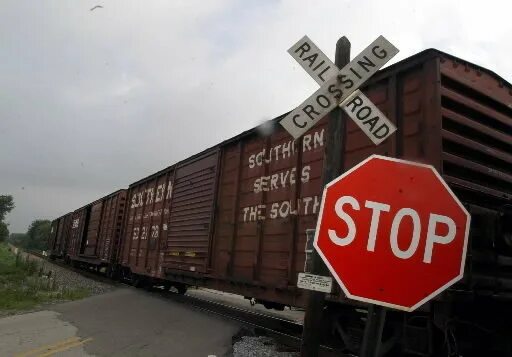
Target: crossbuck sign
{"x":340,"y":87}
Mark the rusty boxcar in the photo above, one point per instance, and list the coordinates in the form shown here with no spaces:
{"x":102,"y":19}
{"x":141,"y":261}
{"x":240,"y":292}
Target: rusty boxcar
{"x":95,"y":231}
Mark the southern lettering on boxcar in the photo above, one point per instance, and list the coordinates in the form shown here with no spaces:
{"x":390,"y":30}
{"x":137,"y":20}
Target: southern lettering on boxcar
{"x":146,"y":223}
{"x":269,"y":194}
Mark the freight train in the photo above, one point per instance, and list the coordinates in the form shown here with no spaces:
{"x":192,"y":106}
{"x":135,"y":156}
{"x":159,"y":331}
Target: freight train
{"x":234,"y":217}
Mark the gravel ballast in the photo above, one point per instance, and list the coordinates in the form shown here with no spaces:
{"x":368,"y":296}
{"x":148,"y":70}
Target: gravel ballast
{"x":72,"y":280}
{"x":259,"y":346}
{"x":69,"y":279}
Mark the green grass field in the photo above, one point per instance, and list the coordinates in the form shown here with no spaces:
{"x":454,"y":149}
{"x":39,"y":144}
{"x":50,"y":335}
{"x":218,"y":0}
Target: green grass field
{"x":24,"y":286}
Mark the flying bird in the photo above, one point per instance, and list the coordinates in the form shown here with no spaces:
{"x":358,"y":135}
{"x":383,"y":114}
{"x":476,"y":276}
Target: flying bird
{"x":97,"y":7}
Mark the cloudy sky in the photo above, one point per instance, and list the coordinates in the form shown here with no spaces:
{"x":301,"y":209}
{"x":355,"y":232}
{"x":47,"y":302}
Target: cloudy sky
{"x":91,"y":101}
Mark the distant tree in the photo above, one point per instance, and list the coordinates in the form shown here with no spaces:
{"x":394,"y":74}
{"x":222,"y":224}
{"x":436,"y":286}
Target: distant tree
{"x":37,"y":234}
{"x":4,"y":232}
{"x":18,"y":239}
{"x":6,"y":205}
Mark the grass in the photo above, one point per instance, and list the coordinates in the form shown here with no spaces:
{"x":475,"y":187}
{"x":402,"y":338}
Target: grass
{"x":24,"y":285}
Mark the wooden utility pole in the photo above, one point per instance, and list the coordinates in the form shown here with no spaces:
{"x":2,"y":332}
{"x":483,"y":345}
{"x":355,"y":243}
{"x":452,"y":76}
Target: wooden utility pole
{"x":333,"y":167}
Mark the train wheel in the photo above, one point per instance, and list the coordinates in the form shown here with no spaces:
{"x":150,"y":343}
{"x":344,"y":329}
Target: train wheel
{"x":138,"y":281}
{"x":182,"y":288}
{"x":149,"y":284}
{"x":112,"y":273}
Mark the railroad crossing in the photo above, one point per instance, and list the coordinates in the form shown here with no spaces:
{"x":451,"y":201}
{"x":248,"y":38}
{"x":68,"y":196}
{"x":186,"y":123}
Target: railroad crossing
{"x":377,"y":277}
{"x":340,"y":87}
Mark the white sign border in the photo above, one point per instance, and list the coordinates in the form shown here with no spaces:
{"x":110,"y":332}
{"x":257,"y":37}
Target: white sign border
{"x":382,"y":303}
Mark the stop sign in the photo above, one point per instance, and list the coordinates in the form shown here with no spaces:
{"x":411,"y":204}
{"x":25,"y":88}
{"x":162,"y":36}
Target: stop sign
{"x":392,"y":233}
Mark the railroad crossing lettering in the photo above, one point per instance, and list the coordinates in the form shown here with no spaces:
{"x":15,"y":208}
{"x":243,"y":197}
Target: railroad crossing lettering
{"x":314,"y":61}
{"x":337,"y":87}
{"x":368,"y":117}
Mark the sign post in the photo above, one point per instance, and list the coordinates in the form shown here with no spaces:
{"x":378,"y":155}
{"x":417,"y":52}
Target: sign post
{"x":372,"y":337}
{"x":333,"y":166}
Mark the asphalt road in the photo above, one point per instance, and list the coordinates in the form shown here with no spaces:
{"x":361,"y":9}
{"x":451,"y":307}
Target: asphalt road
{"x":124,"y":322}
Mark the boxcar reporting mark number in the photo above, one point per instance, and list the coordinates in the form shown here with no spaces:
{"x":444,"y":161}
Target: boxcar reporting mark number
{"x":340,"y":87}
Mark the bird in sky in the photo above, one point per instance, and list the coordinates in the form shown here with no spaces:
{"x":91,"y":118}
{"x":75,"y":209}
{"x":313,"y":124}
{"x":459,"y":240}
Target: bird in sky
{"x":97,"y":7}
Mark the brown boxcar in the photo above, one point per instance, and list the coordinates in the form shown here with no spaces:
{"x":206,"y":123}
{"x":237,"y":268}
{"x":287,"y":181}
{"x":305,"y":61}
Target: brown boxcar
{"x":172,"y":212}
{"x":95,"y":230}
{"x":449,"y":113}
{"x":59,"y":232}
{"x":145,"y":225}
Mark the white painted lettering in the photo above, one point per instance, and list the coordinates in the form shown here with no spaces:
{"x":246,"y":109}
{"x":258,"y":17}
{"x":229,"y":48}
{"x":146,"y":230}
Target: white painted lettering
{"x":376,"y":208}
{"x":264,"y":183}
{"x":415,"y":240}
{"x":273,"y":182}
{"x":253,"y":213}
{"x":287,"y":149}
{"x":305,"y":174}
{"x":318,"y":140}
{"x":306,"y":143}
{"x":292,"y":176}
{"x":351,"y":226}
{"x":306,"y":201}
{"x":273,"y":210}
{"x":246,"y":210}
{"x":257,"y":185}
{"x":316,"y":204}
{"x":284,"y":210}
{"x":433,"y":237}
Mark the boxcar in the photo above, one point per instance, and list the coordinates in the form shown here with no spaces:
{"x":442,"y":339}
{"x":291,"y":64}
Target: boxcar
{"x":169,"y":221}
{"x":95,"y":231}
{"x":237,"y":223}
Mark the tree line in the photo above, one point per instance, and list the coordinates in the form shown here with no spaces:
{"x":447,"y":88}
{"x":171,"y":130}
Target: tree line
{"x":35,"y":238}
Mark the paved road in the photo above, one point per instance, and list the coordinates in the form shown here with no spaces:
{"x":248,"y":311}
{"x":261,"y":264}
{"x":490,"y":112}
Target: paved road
{"x":124,"y":322}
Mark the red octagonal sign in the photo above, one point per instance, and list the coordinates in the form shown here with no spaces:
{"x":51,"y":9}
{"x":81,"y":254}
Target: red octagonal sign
{"x":392,"y":233}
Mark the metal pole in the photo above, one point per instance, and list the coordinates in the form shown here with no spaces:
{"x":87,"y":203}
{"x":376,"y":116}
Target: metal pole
{"x":372,"y":338}
{"x":333,"y":167}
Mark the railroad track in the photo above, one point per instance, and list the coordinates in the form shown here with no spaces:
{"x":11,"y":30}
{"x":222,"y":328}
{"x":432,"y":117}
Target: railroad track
{"x":36,"y":253}
{"x":285,"y":332}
